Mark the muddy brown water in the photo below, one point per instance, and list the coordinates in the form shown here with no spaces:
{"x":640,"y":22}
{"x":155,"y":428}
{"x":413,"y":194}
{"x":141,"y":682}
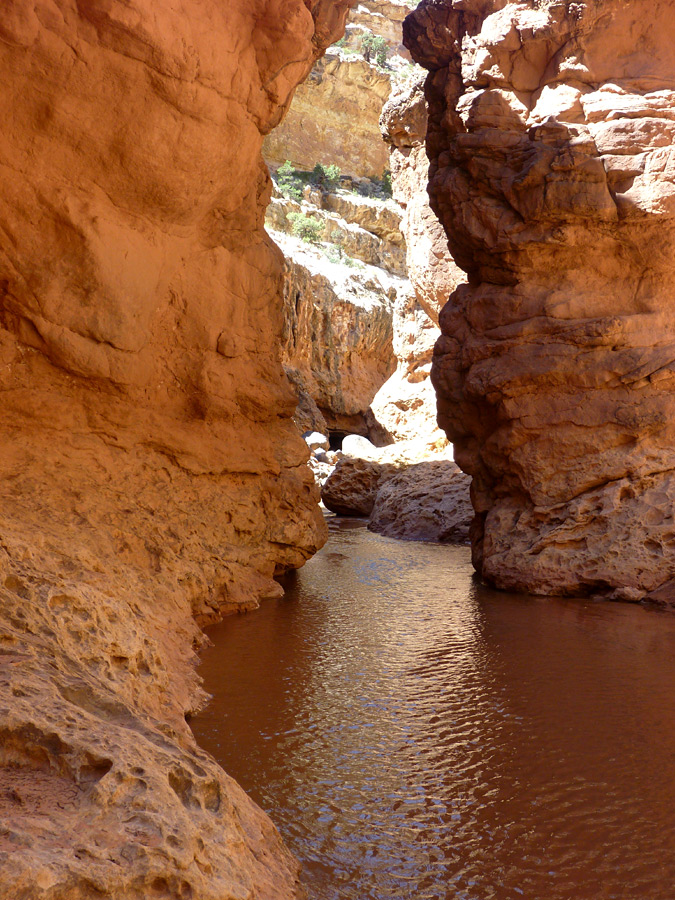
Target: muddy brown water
{"x":417,"y":736}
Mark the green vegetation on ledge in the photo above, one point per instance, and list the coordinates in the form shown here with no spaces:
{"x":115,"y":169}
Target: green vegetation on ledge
{"x":327,"y":178}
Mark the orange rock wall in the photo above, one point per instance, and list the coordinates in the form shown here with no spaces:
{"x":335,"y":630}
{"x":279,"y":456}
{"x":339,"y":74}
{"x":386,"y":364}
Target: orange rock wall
{"x":551,"y":145}
{"x":150,"y":473}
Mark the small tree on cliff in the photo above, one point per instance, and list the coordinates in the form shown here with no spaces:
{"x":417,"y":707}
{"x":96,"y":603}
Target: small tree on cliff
{"x":326,"y":177}
{"x":288,"y":182}
{"x":374,"y":48}
{"x":306,"y":228}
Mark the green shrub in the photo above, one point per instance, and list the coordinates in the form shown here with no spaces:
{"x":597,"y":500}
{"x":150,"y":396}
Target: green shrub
{"x":335,"y":254}
{"x":385,"y":183}
{"x":374,"y":48}
{"x":289,"y":181}
{"x":305,"y":227}
{"x":326,"y":177}
{"x":374,"y":188}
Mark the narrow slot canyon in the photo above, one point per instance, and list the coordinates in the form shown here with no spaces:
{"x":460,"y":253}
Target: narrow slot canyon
{"x":337,"y":550}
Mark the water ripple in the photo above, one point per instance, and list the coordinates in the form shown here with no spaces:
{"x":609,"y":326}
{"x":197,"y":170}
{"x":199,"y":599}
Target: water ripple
{"x":415,"y":735}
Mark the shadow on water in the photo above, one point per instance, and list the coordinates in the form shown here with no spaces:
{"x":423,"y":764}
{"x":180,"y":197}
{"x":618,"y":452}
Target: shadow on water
{"x":414,"y":734}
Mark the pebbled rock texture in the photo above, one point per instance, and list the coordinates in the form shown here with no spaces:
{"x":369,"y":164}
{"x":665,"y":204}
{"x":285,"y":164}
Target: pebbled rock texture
{"x":151,"y":476}
{"x":551,"y":129}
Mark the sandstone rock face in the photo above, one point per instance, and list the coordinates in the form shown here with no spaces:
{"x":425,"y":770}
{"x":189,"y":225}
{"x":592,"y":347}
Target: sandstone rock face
{"x":338,"y":331}
{"x":425,"y":501}
{"x":343,"y":96}
{"x":551,"y":145}
{"x":405,"y":406}
{"x":381,"y":17}
{"x":334,"y":116}
{"x":150,"y":473}
{"x":358,"y":227}
{"x":352,"y":487}
{"x":433,"y":273}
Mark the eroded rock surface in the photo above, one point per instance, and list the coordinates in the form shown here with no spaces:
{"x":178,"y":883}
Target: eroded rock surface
{"x":334,"y":116}
{"x":406,"y":491}
{"x":405,"y":406}
{"x":424,"y":501}
{"x":343,"y":95}
{"x":337,"y":340}
{"x":551,"y":145}
{"x":150,"y":472}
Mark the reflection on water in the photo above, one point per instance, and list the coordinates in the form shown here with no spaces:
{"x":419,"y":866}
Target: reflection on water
{"x":416,"y":735}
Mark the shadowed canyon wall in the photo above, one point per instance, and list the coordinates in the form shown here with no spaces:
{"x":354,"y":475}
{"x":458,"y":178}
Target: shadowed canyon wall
{"x":551,"y":144}
{"x":150,"y":472}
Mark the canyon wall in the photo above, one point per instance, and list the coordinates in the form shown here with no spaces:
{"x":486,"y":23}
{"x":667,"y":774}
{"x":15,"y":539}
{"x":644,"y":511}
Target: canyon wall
{"x":550,"y":137}
{"x":342,"y":96}
{"x":151,"y":476}
{"x":405,"y":406}
{"x":334,"y":116}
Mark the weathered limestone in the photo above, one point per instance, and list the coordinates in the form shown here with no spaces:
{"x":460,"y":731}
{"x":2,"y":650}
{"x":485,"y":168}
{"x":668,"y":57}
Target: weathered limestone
{"x":334,"y":116}
{"x":343,"y":96}
{"x":358,"y":227}
{"x":551,"y":144}
{"x":150,"y":472}
{"x":381,"y":17}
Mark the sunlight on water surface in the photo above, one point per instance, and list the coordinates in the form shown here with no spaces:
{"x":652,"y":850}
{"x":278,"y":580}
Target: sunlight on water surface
{"x":416,"y":736}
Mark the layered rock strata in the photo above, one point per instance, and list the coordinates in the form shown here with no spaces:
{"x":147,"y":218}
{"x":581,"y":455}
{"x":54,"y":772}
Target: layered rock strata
{"x":383,"y":18}
{"x":339,"y":297}
{"x":551,"y":143}
{"x":400,"y":236}
{"x":343,"y":95}
{"x":150,"y":472}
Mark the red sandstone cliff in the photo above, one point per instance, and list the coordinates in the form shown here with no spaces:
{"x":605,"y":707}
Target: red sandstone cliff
{"x":551,"y":145}
{"x":149,"y":468}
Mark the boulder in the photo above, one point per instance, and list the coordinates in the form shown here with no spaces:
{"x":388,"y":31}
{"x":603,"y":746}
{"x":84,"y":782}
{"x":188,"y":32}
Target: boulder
{"x":403,"y":497}
{"x":352,"y":486}
{"x":358,"y":446}
{"x":425,"y":501}
{"x":316,"y":441}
